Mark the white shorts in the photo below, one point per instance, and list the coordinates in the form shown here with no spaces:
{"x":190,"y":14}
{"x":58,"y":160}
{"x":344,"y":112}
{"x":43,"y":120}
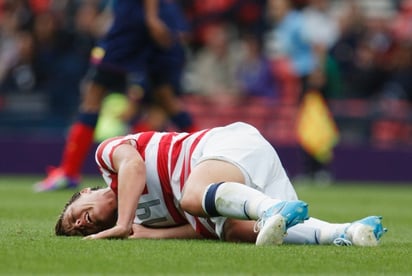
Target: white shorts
{"x":242,"y":145}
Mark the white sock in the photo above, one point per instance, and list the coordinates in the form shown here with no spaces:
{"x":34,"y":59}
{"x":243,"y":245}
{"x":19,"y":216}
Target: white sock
{"x":236,"y":200}
{"x":314,"y":231}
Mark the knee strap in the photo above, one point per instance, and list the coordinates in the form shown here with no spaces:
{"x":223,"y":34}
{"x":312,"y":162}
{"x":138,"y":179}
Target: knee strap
{"x":208,"y":202}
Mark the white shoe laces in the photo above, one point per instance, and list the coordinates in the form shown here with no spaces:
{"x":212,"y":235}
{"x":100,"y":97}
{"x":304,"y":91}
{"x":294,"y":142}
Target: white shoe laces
{"x":258,"y":225}
{"x":342,"y":242}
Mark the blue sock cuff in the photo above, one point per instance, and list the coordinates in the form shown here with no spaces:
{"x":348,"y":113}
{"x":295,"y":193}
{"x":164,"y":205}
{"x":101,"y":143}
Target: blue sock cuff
{"x":89,"y":119}
{"x":209,"y":200}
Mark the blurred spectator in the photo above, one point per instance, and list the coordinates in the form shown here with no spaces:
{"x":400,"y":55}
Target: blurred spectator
{"x":243,"y":14}
{"x":398,"y":83}
{"x":288,"y":46}
{"x":287,"y":37}
{"x":62,"y":55}
{"x":18,"y":72}
{"x":402,"y":23}
{"x":321,"y":26}
{"x":39,"y":52}
{"x":203,"y":15}
{"x":362,"y":50}
{"x":303,"y":33}
{"x":322,"y":32}
{"x":15,"y":21}
{"x":254,"y":73}
{"x":212,"y":71}
{"x":351,"y":24}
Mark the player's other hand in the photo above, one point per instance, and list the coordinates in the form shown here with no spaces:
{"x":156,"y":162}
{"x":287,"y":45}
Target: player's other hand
{"x":114,"y":232}
{"x":139,"y":232}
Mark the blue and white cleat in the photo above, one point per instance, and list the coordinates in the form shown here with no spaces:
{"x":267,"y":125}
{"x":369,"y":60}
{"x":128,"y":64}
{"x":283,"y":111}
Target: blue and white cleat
{"x":276,"y":220}
{"x":364,"y":232}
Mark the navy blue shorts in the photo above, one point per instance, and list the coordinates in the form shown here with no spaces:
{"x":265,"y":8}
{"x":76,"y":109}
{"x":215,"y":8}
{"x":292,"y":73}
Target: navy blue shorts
{"x":127,"y":44}
{"x":128,"y":48}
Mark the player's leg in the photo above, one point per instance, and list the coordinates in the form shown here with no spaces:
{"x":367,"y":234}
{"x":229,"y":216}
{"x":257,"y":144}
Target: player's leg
{"x":311,"y":231}
{"x":174,"y":108}
{"x":245,"y":157}
{"x":78,"y":143}
{"x":144,"y":113}
{"x":364,"y":232}
{"x":229,"y":197}
{"x":165,"y":76}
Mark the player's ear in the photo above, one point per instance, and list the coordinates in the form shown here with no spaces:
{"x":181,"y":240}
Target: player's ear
{"x":86,"y":190}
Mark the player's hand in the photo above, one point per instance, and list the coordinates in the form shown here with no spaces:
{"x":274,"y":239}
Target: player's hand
{"x":114,"y":232}
{"x":159,"y":32}
{"x":139,"y":232}
{"x":90,"y":237}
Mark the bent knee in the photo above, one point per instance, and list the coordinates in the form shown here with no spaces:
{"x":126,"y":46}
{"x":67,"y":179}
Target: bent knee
{"x":192,"y":205}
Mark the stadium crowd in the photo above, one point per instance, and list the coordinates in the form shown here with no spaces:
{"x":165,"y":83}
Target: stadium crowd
{"x":358,"y":54}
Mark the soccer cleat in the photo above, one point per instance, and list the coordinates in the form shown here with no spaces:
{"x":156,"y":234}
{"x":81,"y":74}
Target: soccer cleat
{"x":56,"y":180}
{"x":272,"y":226}
{"x":364,"y":232}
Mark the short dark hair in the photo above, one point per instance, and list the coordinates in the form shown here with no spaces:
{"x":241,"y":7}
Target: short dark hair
{"x":59,"y":228}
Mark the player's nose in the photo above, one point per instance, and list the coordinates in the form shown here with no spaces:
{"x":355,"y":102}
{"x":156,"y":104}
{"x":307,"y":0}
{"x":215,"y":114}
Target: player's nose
{"x":79,"y":223}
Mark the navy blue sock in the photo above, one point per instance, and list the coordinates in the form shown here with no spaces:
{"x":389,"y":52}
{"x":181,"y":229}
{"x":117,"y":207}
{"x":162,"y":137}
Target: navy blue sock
{"x":89,"y":119}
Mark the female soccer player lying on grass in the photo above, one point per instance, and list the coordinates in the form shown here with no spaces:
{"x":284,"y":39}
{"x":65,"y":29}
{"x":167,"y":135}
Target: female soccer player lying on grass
{"x":224,"y":182}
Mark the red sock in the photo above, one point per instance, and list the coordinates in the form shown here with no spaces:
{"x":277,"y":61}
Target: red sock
{"x":77,"y":147}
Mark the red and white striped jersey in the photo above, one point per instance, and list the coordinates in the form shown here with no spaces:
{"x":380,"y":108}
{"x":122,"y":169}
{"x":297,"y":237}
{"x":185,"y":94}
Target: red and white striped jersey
{"x":168,"y":159}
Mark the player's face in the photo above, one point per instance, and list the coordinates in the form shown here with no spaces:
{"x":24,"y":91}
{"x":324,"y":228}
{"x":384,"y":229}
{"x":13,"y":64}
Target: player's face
{"x":89,"y":214}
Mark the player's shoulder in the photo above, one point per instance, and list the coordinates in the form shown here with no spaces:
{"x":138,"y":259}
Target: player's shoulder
{"x":109,"y":143}
{"x":111,"y":140}
{"x":105,"y":149}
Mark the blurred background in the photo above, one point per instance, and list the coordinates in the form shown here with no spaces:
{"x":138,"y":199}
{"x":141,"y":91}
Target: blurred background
{"x":328,"y":83}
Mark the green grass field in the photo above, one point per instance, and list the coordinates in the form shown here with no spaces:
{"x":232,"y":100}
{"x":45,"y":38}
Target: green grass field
{"x":29,"y":247}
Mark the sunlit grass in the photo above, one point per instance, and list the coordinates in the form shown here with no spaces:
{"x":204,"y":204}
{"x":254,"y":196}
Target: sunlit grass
{"x":29,"y":247}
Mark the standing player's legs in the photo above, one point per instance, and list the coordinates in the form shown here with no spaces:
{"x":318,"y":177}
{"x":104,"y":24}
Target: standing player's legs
{"x":144,"y":113}
{"x":164,"y":77}
{"x":168,"y":68}
{"x":164,"y":106}
{"x":124,"y":49}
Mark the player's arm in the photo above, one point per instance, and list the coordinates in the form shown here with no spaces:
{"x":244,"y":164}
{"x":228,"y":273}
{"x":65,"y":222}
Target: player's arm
{"x":157,"y":28}
{"x":131,"y":173}
{"x":185,"y":231}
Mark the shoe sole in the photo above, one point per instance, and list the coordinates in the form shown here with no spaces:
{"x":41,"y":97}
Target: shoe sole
{"x":363,"y":235}
{"x":272,"y":232}
{"x":39,"y":187}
